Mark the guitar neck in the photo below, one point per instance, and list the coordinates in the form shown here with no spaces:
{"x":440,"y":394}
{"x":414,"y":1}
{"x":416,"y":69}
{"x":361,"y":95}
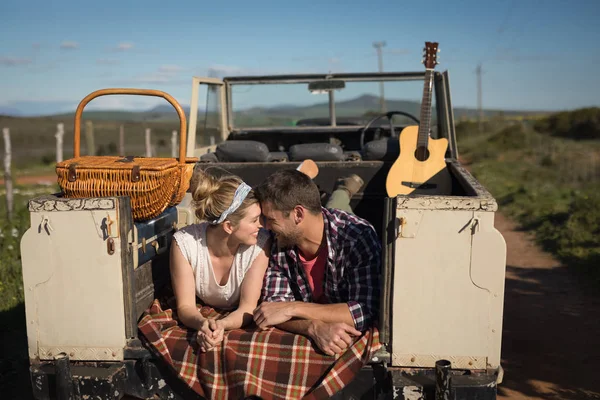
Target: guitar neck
{"x":425,"y":120}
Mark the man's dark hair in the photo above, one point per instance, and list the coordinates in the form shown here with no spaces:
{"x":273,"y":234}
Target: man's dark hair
{"x":285,"y":189}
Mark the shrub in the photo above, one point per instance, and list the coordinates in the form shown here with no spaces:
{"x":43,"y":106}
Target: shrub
{"x":583,"y":123}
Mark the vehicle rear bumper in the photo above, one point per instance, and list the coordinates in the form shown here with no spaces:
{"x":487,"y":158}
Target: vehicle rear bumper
{"x":146,"y":378}
{"x":142,"y":378}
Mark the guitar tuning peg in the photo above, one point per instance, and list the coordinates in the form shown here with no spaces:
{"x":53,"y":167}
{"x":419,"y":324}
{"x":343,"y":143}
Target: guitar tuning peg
{"x":421,"y":61}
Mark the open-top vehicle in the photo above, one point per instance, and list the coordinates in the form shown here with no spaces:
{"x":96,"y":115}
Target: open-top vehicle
{"x":90,"y":270}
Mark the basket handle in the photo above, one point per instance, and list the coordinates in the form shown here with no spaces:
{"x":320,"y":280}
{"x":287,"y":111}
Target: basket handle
{"x":141,"y":92}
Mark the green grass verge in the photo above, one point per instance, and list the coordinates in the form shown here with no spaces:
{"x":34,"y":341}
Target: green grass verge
{"x":14,"y":363}
{"x":551,"y":186}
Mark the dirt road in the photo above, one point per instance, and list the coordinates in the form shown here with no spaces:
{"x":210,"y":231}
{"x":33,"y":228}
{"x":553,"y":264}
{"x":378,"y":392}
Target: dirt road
{"x":551,"y":335}
{"x":32,"y":180}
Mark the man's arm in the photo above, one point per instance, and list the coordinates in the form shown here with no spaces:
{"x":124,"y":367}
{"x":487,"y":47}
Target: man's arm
{"x":276,"y":313}
{"x":331,"y":338}
{"x":300,"y":326}
{"x":337,"y":312}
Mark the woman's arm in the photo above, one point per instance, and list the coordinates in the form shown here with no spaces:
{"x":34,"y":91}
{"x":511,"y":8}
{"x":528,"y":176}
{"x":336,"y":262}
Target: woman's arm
{"x":250,"y":291}
{"x":183,"y":282}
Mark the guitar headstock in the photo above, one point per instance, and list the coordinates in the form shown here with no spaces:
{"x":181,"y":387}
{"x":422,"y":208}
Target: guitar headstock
{"x":430,"y":55}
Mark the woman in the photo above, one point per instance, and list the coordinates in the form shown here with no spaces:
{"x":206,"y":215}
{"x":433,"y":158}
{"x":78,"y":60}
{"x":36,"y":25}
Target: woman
{"x":222,"y":260}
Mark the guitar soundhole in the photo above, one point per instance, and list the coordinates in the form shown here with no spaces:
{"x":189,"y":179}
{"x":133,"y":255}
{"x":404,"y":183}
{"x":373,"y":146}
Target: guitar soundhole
{"x":422,"y":153}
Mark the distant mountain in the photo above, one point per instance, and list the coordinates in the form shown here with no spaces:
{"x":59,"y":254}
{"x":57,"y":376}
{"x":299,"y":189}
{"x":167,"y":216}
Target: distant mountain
{"x":347,"y":108}
{"x":36,"y":108}
{"x":168,"y":109}
{"x":10,"y":111}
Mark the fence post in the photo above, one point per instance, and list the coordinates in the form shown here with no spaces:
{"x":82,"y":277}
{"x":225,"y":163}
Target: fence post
{"x":174,"y":144}
{"x":121,"y":141}
{"x":7,"y":175}
{"x":89,"y":138}
{"x":148,"y":146}
{"x":60,"y":132}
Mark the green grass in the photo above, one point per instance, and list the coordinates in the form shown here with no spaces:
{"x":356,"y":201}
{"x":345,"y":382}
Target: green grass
{"x":550,"y":185}
{"x":11,"y":286}
{"x":14,"y":363}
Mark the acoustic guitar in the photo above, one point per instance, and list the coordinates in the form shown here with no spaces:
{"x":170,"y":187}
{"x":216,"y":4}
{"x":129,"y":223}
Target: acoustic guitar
{"x":421,"y":167}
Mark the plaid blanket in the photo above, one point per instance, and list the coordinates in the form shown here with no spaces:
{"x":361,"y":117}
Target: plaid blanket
{"x":271,"y":364}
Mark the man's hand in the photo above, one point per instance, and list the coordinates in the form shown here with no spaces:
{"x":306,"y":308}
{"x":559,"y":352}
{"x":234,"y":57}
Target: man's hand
{"x":272,"y":313}
{"x":333,"y":338}
{"x":210,"y":334}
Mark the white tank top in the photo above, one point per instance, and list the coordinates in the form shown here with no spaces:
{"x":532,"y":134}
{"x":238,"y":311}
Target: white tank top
{"x":192,"y":242}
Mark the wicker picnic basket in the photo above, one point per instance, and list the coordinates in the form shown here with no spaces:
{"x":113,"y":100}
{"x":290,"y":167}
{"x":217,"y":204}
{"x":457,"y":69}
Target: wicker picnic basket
{"x":152,"y":183}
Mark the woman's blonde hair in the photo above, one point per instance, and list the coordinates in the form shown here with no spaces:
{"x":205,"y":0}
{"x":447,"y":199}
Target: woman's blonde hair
{"x":212,"y":195}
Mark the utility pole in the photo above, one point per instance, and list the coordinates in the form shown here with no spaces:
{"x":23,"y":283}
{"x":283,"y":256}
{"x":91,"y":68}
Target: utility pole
{"x":479,"y":101}
{"x":378,"y":46}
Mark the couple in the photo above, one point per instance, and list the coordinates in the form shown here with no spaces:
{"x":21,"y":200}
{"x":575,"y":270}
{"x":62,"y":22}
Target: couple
{"x":318,"y":275}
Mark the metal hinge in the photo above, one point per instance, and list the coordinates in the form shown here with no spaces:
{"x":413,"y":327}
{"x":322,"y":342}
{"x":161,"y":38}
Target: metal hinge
{"x":473,"y":225}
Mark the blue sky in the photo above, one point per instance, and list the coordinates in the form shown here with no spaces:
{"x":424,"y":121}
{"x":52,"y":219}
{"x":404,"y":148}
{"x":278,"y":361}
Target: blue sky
{"x":536,"y":54}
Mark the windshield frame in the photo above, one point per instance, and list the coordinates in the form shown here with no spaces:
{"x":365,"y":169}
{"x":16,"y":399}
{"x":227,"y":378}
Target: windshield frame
{"x":305,"y":79}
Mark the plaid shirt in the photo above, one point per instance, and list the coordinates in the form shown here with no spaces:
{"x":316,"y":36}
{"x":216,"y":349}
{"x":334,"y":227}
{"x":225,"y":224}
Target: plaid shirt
{"x":352,"y":272}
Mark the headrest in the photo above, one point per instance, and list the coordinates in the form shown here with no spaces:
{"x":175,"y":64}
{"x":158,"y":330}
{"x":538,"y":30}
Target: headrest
{"x":209,"y":157}
{"x":316,"y":152}
{"x":387,"y":149}
{"x":242,"y":151}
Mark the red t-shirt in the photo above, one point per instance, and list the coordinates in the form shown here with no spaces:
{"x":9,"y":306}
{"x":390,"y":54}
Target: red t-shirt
{"x":315,"y":272}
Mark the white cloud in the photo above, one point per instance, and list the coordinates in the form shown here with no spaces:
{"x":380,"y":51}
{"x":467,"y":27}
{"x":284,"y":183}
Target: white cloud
{"x":164,"y":75}
{"x":8,"y":61}
{"x":69,"y":45}
{"x":124,"y":46}
{"x":219,"y":70}
{"x":154,"y":79}
{"x":123,"y":102}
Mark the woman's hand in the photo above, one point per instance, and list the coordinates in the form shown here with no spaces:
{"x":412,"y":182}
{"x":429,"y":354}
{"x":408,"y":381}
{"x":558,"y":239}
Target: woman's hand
{"x":210,"y":334}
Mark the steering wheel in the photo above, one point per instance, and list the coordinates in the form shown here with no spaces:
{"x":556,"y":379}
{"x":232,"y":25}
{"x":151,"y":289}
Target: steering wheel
{"x":389,"y":116}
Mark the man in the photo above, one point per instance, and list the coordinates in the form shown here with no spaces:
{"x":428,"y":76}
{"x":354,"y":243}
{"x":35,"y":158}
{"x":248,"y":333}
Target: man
{"x":323,"y":276}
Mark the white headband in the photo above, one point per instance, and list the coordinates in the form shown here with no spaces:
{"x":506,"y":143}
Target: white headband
{"x":240,"y":194}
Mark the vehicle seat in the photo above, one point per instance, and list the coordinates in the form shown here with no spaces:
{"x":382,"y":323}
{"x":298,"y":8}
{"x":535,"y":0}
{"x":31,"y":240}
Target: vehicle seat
{"x":244,"y":151}
{"x":386,"y":149}
{"x":316,"y":152}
